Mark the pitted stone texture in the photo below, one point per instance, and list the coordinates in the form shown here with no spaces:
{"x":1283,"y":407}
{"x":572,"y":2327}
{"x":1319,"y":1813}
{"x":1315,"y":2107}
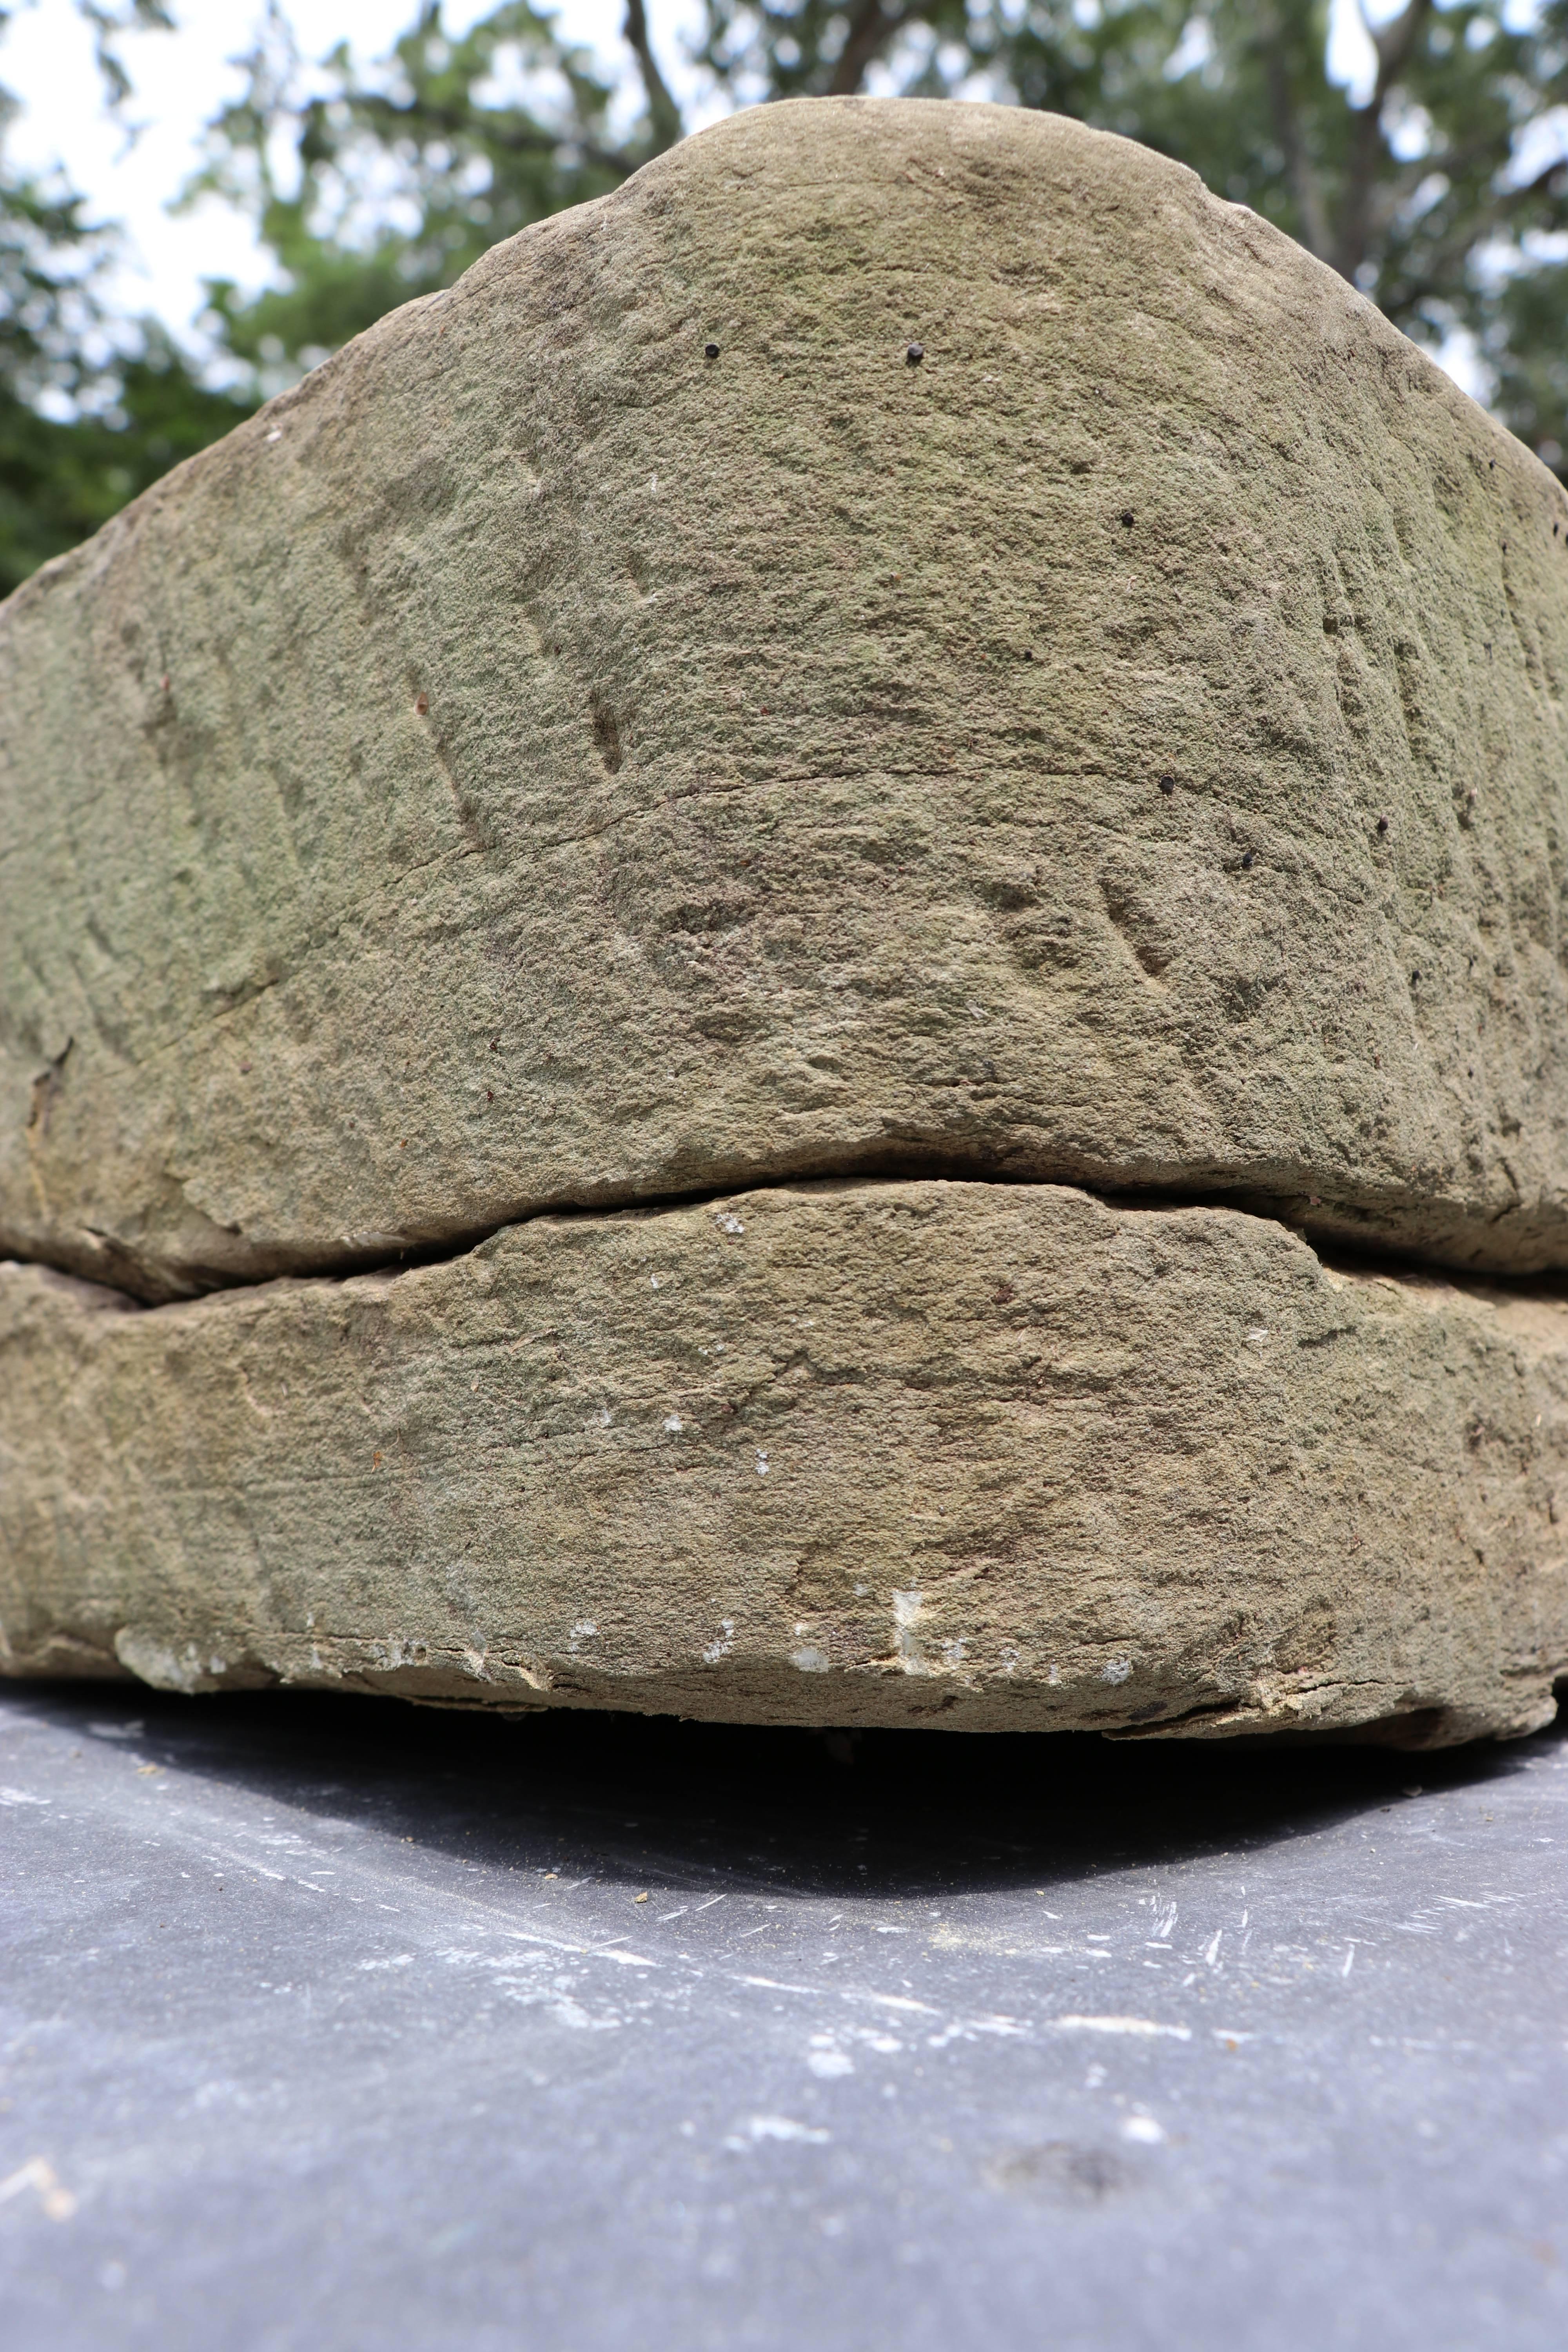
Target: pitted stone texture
{"x":533,"y":763}
{"x":983,"y":1455}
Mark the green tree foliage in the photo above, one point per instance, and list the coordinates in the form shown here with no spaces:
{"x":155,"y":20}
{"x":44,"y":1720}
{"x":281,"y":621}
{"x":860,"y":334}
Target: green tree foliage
{"x":89,"y":413}
{"x":1432,"y":182}
{"x":62,"y":477}
{"x":403,"y":175}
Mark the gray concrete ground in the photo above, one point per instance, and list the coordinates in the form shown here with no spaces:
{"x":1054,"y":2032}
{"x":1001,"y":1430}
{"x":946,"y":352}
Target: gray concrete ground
{"x":337,"y":2024}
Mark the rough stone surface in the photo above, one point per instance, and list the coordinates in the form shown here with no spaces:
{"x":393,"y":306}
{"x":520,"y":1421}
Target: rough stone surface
{"x":535,"y":764}
{"x":993,"y":1457}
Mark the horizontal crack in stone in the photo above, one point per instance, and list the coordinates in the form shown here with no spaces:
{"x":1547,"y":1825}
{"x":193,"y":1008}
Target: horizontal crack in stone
{"x":1162,"y":1200}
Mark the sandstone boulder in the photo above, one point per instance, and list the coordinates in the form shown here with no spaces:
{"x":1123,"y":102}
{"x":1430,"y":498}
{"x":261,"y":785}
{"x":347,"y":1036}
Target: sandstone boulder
{"x":624,"y":727}
{"x":981,"y":1455}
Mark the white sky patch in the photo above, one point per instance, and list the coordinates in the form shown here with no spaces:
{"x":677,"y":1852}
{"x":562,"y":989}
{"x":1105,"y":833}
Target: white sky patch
{"x":1352,"y":59}
{"x":181,"y":78}
{"x":1543,"y":143}
{"x":1192,"y":52}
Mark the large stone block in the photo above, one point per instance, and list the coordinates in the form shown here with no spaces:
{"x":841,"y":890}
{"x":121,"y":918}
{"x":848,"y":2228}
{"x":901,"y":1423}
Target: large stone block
{"x":990,"y":1457}
{"x":620,"y":728}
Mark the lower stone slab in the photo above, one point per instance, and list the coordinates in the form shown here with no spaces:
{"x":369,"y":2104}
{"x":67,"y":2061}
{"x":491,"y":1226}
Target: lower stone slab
{"x":991,"y":1456}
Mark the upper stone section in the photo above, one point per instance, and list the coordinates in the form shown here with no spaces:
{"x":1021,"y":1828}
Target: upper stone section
{"x":628,"y":725}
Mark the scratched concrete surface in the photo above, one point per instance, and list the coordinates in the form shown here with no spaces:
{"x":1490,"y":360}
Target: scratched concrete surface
{"x":335,"y":2024}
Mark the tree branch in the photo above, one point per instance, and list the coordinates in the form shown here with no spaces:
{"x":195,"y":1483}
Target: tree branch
{"x":1392,"y":45}
{"x":872,"y":27}
{"x":1305,"y":186}
{"x":515,"y":137}
{"x":1444,"y":261}
{"x":664,"y":115}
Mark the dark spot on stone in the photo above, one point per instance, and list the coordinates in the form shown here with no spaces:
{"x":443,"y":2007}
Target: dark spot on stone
{"x":1126,"y":518}
{"x":709,"y":350}
{"x":1167,"y":785}
{"x":1029,"y":652}
{"x":1382,"y":824}
{"x":915,"y":353}
{"x":1415,"y":979}
{"x":1004,"y":1294}
{"x":1247,"y":861}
